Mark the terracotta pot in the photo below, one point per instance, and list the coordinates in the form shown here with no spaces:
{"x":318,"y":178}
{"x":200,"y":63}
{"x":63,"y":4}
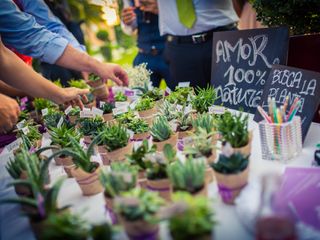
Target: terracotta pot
{"x":139,"y":229}
{"x":116,"y":155}
{"x":172,"y":140}
{"x":108,"y":117}
{"x":100,"y":91}
{"x":141,"y":136}
{"x":230,"y":185}
{"x":73,"y":119}
{"x":142,"y":180}
{"x":88,"y":182}
{"x":245,"y":150}
{"x":212,"y":157}
{"x":148,"y":113}
{"x":68,"y":165}
{"x":91,"y":105}
{"x":162,"y":186}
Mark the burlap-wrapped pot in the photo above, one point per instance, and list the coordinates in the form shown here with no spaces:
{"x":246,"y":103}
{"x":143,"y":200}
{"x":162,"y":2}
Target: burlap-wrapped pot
{"x":91,"y":104}
{"x":116,"y":155}
{"x":88,"y":182}
{"x":149,"y":120}
{"x":141,"y":136}
{"x":142,"y":180}
{"x":148,"y":113}
{"x":100,"y":92}
{"x":108,"y":117}
{"x":109,"y":208}
{"x":245,"y":150}
{"x":139,"y":229}
{"x":68,"y":165}
{"x":209,"y":175}
{"x":162,"y":186}
{"x":230,"y":185}
{"x":172,"y":140}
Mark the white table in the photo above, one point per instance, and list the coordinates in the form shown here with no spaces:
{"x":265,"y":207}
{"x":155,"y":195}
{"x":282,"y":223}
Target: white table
{"x":230,"y":226}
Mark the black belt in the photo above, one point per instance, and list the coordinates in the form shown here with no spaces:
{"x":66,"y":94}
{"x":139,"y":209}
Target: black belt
{"x":152,"y":51}
{"x":200,"y":37}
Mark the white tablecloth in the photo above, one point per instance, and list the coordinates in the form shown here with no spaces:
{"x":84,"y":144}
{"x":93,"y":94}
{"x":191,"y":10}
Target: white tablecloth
{"x":230,"y":225}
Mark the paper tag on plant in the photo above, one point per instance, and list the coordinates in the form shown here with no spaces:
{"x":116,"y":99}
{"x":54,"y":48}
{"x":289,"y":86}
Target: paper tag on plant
{"x":183,"y":84}
{"x":121,"y":104}
{"x":130,"y":132}
{"x":97,"y":111}
{"x":129,"y":92}
{"x":117,"y":111}
{"x":101,"y":104}
{"x":86,"y":114}
{"x":216,"y":110}
{"x":25,"y":130}
{"x":68,"y":110}
{"x":44,"y":111}
{"x":188,"y":109}
{"x":179,"y":107}
{"x":189,"y":98}
{"x":14,"y":145}
{"x":21,"y":124}
{"x":168,"y":90}
{"x":60,"y":122}
{"x":86,"y":110}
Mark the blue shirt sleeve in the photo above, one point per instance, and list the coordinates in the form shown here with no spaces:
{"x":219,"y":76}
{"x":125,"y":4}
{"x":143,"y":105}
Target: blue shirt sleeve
{"x":21,"y":31}
{"x":43,"y":16}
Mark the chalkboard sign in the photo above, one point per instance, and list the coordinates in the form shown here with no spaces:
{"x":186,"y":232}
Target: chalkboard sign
{"x":241,"y":62}
{"x":293,"y":82}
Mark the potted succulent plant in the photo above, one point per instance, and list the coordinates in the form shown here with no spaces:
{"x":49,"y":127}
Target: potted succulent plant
{"x":204,"y":99}
{"x":120,"y":97}
{"x":162,"y":133}
{"x":137,"y":211}
{"x":188,"y":176}
{"x":74,"y":115}
{"x":181,"y":96}
{"x":193,"y":218}
{"x":204,"y":121}
{"x":136,"y":158}
{"x":99,"y":87}
{"x":155,"y":93}
{"x":31,"y":137}
{"x":52,"y":118}
{"x":86,"y":172}
{"x":145,"y":107}
{"x":231,"y":172}
{"x":91,"y":101}
{"x":139,"y":127}
{"x":61,"y":139}
{"x":114,"y":144}
{"x":89,"y":126}
{"x":39,"y":104}
{"x":125,"y":118}
{"x":167,"y":109}
{"x":107,"y":111}
{"x":234,"y":129}
{"x":121,"y":178}
{"x":184,"y":122}
{"x":156,"y":173}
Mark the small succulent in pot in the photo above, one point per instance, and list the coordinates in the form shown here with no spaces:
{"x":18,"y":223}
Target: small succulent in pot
{"x":107,"y":107}
{"x":204,"y":121}
{"x":169,"y":110}
{"x":204,"y":99}
{"x":120,"y":97}
{"x":180,"y":95}
{"x":192,"y":217}
{"x":138,"y":125}
{"x":75,"y":112}
{"x":125,"y":118}
{"x":187,"y":176}
{"x":121,"y":178}
{"x":156,"y":94}
{"x":184,"y":120}
{"x":30,"y":135}
{"x":89,"y":126}
{"x":161,"y":130}
{"x":144,"y":104}
{"x":61,"y":136}
{"x":78,"y":84}
{"x":52,"y":118}
{"x":41,"y":103}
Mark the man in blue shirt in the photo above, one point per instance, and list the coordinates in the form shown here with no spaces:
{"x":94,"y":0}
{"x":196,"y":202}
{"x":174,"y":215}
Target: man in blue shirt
{"x":144,"y":18}
{"x":188,"y":26}
{"x":21,"y":31}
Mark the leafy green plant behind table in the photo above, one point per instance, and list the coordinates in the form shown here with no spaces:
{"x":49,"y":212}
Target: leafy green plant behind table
{"x":120,"y":97}
{"x":139,"y":204}
{"x":301,"y":16}
{"x":188,"y":176}
{"x":89,"y":126}
{"x":204,"y":99}
{"x":161,"y":129}
{"x":234,"y":129}
{"x":144,"y":104}
{"x":138,"y":125}
{"x":138,"y":154}
{"x":194,"y":220}
{"x":121,"y":178}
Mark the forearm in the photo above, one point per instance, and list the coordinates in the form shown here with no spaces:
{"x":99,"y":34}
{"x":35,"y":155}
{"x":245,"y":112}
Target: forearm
{"x":18,"y":75}
{"x":10,"y":91}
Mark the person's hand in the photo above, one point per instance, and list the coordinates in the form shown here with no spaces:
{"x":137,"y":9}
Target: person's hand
{"x":9,"y":113}
{"x":128,"y":15}
{"x":113,"y":72}
{"x":149,"y":6}
{"x":72,"y":96}
{"x":85,"y":75}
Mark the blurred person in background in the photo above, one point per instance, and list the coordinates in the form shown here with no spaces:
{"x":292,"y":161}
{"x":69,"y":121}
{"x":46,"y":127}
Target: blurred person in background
{"x":142,"y":16}
{"x":188,"y":26}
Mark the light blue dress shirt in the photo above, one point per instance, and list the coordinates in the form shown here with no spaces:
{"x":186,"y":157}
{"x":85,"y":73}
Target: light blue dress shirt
{"x":40,"y":36}
{"x":209,"y":14}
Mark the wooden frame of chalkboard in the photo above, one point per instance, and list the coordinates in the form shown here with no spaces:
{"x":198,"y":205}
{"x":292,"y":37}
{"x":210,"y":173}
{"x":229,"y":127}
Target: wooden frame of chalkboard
{"x":286,"y":81}
{"x":241,"y":62}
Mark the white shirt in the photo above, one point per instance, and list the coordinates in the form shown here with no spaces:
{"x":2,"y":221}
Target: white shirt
{"x":209,"y":14}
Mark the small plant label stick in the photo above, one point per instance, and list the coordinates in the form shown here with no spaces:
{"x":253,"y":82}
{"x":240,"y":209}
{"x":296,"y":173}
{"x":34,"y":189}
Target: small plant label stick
{"x":183,"y":84}
{"x":131,"y":133}
{"x":179,"y":107}
{"x":97,"y":111}
{"x":216,"y":109}
{"x":44,"y":111}
{"x":168,"y":90}
{"x":86,"y":114}
{"x":68,"y":110}
{"x":188,"y":109}
{"x":60,"y":122}
{"x":21,"y":124}
{"x":117,"y":111}
{"x":101,"y":104}
{"x":25,"y":130}
{"x":121,"y":104}
{"x":14,"y":145}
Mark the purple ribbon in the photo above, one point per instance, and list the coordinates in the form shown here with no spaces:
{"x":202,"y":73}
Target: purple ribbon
{"x":165,"y":189}
{"x":180,"y":145}
{"x":129,"y":93}
{"x":145,"y":236}
{"x":113,"y":216}
{"x":226,"y":192}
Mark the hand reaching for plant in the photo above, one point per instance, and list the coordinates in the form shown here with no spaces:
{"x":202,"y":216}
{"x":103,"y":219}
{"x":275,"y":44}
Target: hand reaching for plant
{"x":72,"y":96}
{"x":9,"y":113}
{"x":113,"y":72}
